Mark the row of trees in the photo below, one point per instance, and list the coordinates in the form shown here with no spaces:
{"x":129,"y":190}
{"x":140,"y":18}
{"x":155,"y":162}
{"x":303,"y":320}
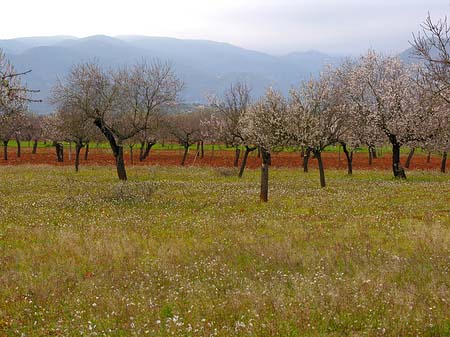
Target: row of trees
{"x":369,"y":101}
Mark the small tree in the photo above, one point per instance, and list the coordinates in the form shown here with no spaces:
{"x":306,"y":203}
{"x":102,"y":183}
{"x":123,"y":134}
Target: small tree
{"x":14,"y":97}
{"x":316,"y":118}
{"x":75,"y":127}
{"x":185,"y":129}
{"x":228,"y":111}
{"x":265,"y":124}
{"x":52,"y":132}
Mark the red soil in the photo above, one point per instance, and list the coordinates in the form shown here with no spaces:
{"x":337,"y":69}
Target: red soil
{"x":218,"y":159}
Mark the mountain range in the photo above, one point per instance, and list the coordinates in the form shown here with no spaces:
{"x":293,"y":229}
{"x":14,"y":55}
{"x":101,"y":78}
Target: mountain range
{"x":204,"y":66}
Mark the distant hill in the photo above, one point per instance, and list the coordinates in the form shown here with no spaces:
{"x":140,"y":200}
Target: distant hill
{"x":205,"y":66}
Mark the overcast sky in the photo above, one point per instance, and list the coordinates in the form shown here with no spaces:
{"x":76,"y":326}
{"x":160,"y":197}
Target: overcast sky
{"x":273,"y":26}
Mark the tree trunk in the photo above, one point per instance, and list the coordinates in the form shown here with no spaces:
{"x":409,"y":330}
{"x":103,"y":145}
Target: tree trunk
{"x":186,"y":149}
{"x":86,"y":151}
{"x":120,"y":164}
{"x":5,"y":149}
{"x":318,"y":155}
{"x":236,"y":156}
{"x":374,"y":152}
{"x":444,"y":162}
{"x":131,"y":154}
{"x":429,"y":157}
{"x":70,"y":151}
{"x":349,"y":156}
{"x":410,"y":155}
{"x":19,"y":149}
{"x":244,"y":160}
{"x":202,"y":149}
{"x":339,"y":154}
{"x":264,"y":195}
{"x":78,"y":147}
{"x":370,"y":156}
{"x":306,"y":157}
{"x":35,"y":145}
{"x":59,"y":148}
{"x":259,"y":152}
{"x":143,"y":154}
{"x":397,"y":168}
{"x":116,"y":148}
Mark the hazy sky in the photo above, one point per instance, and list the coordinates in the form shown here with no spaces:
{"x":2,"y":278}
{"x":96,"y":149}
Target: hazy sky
{"x":274,"y":26}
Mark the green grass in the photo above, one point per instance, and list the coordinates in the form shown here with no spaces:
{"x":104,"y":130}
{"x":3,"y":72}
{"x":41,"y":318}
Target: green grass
{"x":192,"y":252}
{"x":386,"y":149}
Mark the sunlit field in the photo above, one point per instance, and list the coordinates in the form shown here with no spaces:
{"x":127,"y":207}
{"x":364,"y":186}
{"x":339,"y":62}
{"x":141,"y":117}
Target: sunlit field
{"x":192,"y":252}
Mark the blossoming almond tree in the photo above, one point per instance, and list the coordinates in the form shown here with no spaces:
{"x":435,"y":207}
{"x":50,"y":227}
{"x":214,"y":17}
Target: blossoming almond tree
{"x":265,"y":124}
{"x":393,"y":104}
{"x":317,"y":116}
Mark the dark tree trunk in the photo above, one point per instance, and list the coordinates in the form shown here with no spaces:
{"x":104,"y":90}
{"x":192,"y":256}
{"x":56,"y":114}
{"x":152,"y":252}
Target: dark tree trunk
{"x":349,"y":156}
{"x":143,"y":154}
{"x":397,"y":168}
{"x":244,"y":160}
{"x":259,"y":152}
{"x":117,"y":149}
{"x":370,"y":156}
{"x":264,"y":195}
{"x":410,"y":156}
{"x":35,"y":145}
{"x":120,"y":164}
{"x":86,"y":151}
{"x":5,"y":149}
{"x":202,"y":149}
{"x":131,"y":154}
{"x":306,"y":157}
{"x":374,"y":152}
{"x":444,"y":162}
{"x":318,"y":155}
{"x":186,"y":149}
{"x":59,"y":148}
{"x":19,"y":148}
{"x":429,"y":157}
{"x":236,"y":156}
{"x":78,"y":147}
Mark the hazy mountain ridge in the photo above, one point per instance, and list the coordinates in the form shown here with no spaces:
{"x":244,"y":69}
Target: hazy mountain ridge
{"x":205,"y":66}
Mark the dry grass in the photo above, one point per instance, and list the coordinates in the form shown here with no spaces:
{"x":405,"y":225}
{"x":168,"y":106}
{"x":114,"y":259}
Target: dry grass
{"x":190,"y":252}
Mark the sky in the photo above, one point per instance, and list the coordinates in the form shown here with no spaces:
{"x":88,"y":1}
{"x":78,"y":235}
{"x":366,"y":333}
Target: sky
{"x":272,"y":26}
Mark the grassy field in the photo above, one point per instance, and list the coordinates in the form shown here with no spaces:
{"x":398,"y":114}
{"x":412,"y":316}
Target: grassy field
{"x":192,"y":252}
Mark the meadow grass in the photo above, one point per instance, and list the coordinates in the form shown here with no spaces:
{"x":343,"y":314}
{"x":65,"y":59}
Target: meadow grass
{"x":192,"y":252}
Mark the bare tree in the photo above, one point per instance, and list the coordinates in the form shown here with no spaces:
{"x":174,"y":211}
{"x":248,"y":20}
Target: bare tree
{"x":432,"y":45}
{"x":229,"y":109}
{"x":120,"y":103}
{"x":14,"y":97}
{"x":75,"y":127}
{"x":185,"y":129}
